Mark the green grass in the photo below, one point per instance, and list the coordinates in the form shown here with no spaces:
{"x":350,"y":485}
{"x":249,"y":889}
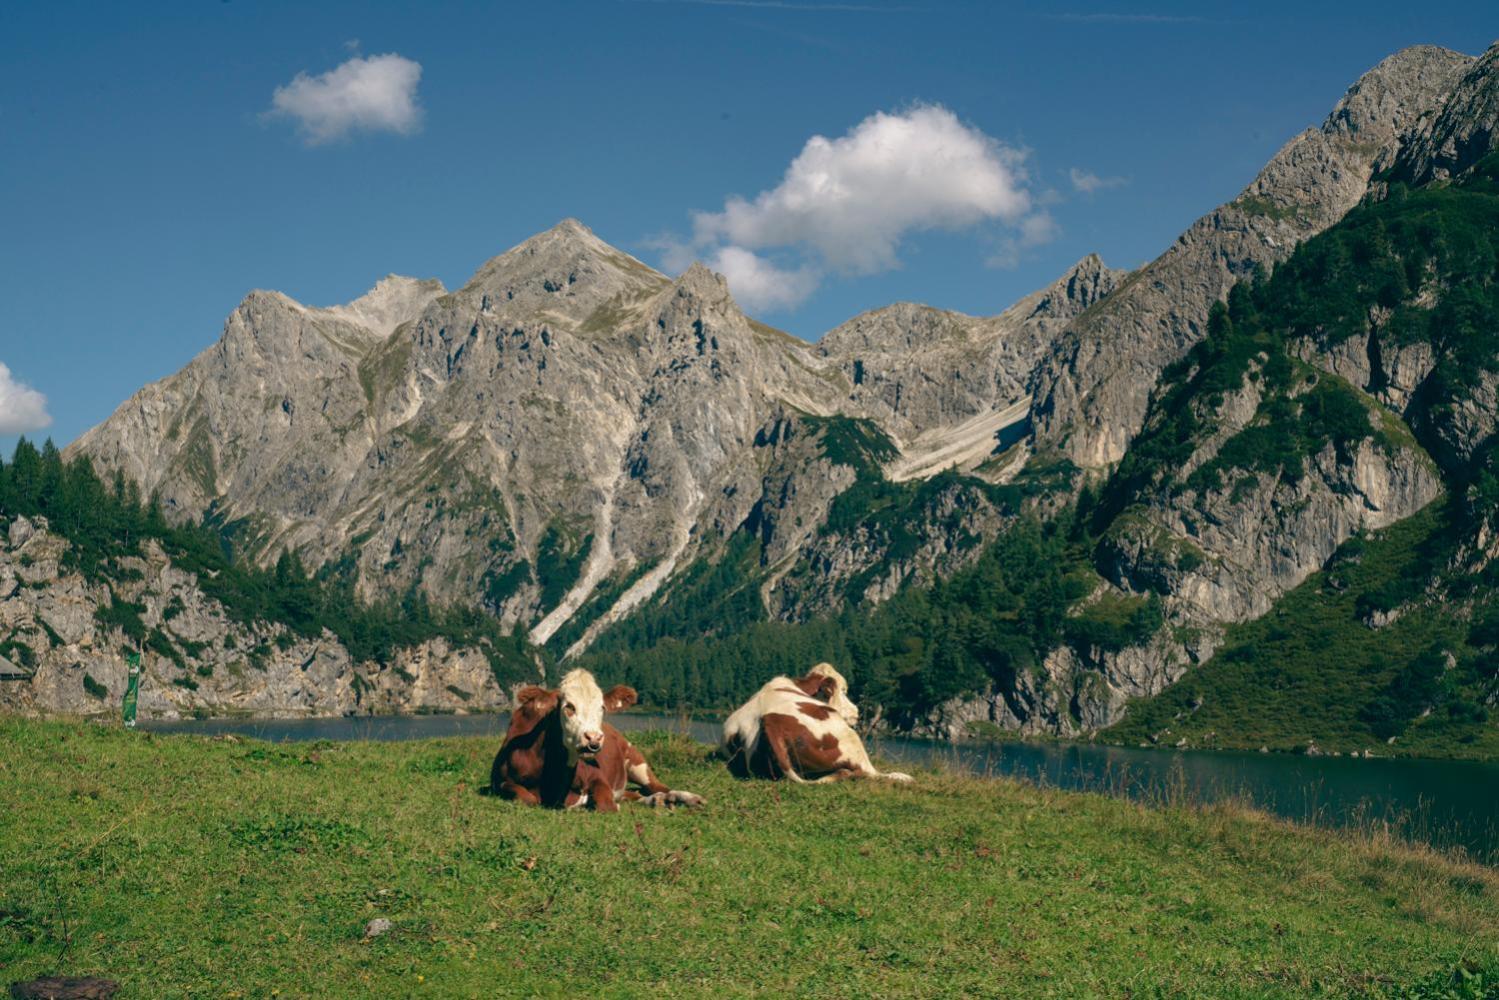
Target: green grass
{"x":1253,"y":205}
{"x":184,"y":866}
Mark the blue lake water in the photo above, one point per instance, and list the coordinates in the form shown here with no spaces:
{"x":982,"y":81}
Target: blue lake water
{"x":1447,"y":803}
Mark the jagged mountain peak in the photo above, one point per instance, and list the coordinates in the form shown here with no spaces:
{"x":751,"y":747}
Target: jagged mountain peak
{"x":395,"y":299}
{"x":1391,"y":96}
{"x":566,"y":272}
{"x":261,"y":298}
{"x":569,"y":234}
{"x":1090,"y":392}
{"x":906,"y":325}
{"x":895,"y":326}
{"x":1462,"y":131}
{"x":702,"y":280}
{"x":1079,"y":287}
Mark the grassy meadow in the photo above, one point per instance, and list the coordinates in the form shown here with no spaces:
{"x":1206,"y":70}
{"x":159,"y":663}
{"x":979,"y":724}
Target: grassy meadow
{"x":185,"y":866}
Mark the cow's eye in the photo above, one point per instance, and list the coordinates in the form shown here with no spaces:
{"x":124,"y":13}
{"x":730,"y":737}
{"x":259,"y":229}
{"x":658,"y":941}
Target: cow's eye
{"x":569,"y":710}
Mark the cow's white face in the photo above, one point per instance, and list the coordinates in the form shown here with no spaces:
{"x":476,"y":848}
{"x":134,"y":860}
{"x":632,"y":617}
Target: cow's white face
{"x":839,"y":702}
{"x":582,"y":708}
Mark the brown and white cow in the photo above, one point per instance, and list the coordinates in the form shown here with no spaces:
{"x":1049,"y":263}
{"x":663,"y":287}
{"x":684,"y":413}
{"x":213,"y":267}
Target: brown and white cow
{"x":800,"y":728}
{"x":560,"y":752}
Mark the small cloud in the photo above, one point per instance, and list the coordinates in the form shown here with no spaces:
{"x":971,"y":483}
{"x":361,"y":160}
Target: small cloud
{"x":369,"y":94}
{"x":352,"y":45}
{"x":22,"y":408}
{"x":1090,"y":183}
{"x":676,"y":254}
{"x":756,"y":283}
{"x":1036,"y":229}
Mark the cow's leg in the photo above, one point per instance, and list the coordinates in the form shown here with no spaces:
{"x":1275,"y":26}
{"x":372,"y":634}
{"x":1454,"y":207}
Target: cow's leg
{"x":657,"y":794}
{"x":856,"y":759}
{"x":781,"y":756}
{"x":736,"y":757}
{"x":640,"y":772}
{"x":519,"y":793}
{"x":603,"y":797}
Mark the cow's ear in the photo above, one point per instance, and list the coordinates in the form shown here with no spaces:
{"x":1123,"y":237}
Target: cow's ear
{"x":620,"y":696}
{"x":534,"y":699}
{"x":827,"y":690}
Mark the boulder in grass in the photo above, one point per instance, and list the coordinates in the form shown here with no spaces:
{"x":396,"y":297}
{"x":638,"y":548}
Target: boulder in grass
{"x":65,"y":988}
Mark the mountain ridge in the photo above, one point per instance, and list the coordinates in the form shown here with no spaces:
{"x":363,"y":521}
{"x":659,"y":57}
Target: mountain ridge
{"x":584,"y":447}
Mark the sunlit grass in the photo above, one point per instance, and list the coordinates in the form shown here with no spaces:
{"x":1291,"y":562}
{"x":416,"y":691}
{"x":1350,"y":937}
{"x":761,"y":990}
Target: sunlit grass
{"x":184,"y":866}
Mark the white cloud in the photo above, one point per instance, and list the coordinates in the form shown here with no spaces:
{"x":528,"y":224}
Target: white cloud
{"x":22,"y":408}
{"x":369,"y":93}
{"x":1034,"y":230}
{"x":853,"y":198}
{"x":1089,"y":183}
{"x":846,"y":204}
{"x":759,"y":284}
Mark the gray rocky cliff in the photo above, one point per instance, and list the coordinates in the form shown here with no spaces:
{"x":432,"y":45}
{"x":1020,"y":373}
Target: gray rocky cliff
{"x":1445,"y":144}
{"x":201,"y":661}
{"x":1092,"y":389}
{"x":567,"y":421}
{"x":915,"y":368}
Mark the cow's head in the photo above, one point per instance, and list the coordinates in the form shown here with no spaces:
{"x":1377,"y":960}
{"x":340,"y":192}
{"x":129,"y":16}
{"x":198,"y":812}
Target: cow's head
{"x":583,"y":705}
{"x":833,"y":689}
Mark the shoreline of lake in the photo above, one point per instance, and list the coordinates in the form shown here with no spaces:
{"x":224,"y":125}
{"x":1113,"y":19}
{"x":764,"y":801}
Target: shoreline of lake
{"x":1446,"y":803}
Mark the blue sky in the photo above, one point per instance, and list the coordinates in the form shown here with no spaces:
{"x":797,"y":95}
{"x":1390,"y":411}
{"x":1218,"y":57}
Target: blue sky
{"x":144,"y":190}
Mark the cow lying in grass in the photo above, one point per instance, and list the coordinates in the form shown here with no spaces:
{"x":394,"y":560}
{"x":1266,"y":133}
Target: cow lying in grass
{"x":801,"y":729}
{"x":560,"y":752}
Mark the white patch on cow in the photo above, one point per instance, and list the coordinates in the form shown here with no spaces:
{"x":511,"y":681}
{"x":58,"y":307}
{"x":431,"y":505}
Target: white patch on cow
{"x":582,"y":708}
{"x":640,"y":774}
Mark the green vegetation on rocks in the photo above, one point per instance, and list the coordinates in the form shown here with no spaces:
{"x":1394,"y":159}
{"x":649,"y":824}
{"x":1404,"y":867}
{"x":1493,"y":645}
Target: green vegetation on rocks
{"x":981,"y":626}
{"x":107,"y":524}
{"x":1333,"y":666}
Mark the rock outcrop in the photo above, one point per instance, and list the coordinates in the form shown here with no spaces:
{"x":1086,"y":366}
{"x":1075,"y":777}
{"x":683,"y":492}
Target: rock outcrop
{"x":915,"y":368}
{"x":198,"y":661}
{"x":1446,"y":144}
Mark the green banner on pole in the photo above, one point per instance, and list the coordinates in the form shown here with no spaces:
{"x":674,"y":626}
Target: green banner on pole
{"x":132,"y":688}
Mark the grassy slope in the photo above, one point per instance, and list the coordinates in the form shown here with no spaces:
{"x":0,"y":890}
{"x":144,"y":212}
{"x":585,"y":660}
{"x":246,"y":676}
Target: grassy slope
{"x":1305,"y":672}
{"x":185,"y":866}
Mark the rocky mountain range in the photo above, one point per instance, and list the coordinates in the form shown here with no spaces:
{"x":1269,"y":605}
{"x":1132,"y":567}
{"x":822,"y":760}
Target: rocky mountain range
{"x":572,"y":437}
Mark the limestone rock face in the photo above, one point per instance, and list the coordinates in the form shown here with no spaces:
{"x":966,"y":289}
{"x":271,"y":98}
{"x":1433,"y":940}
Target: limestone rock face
{"x":569,"y":415}
{"x":1093,"y":387}
{"x":915,"y":367}
{"x":218,"y":666}
{"x":1463,"y":132}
